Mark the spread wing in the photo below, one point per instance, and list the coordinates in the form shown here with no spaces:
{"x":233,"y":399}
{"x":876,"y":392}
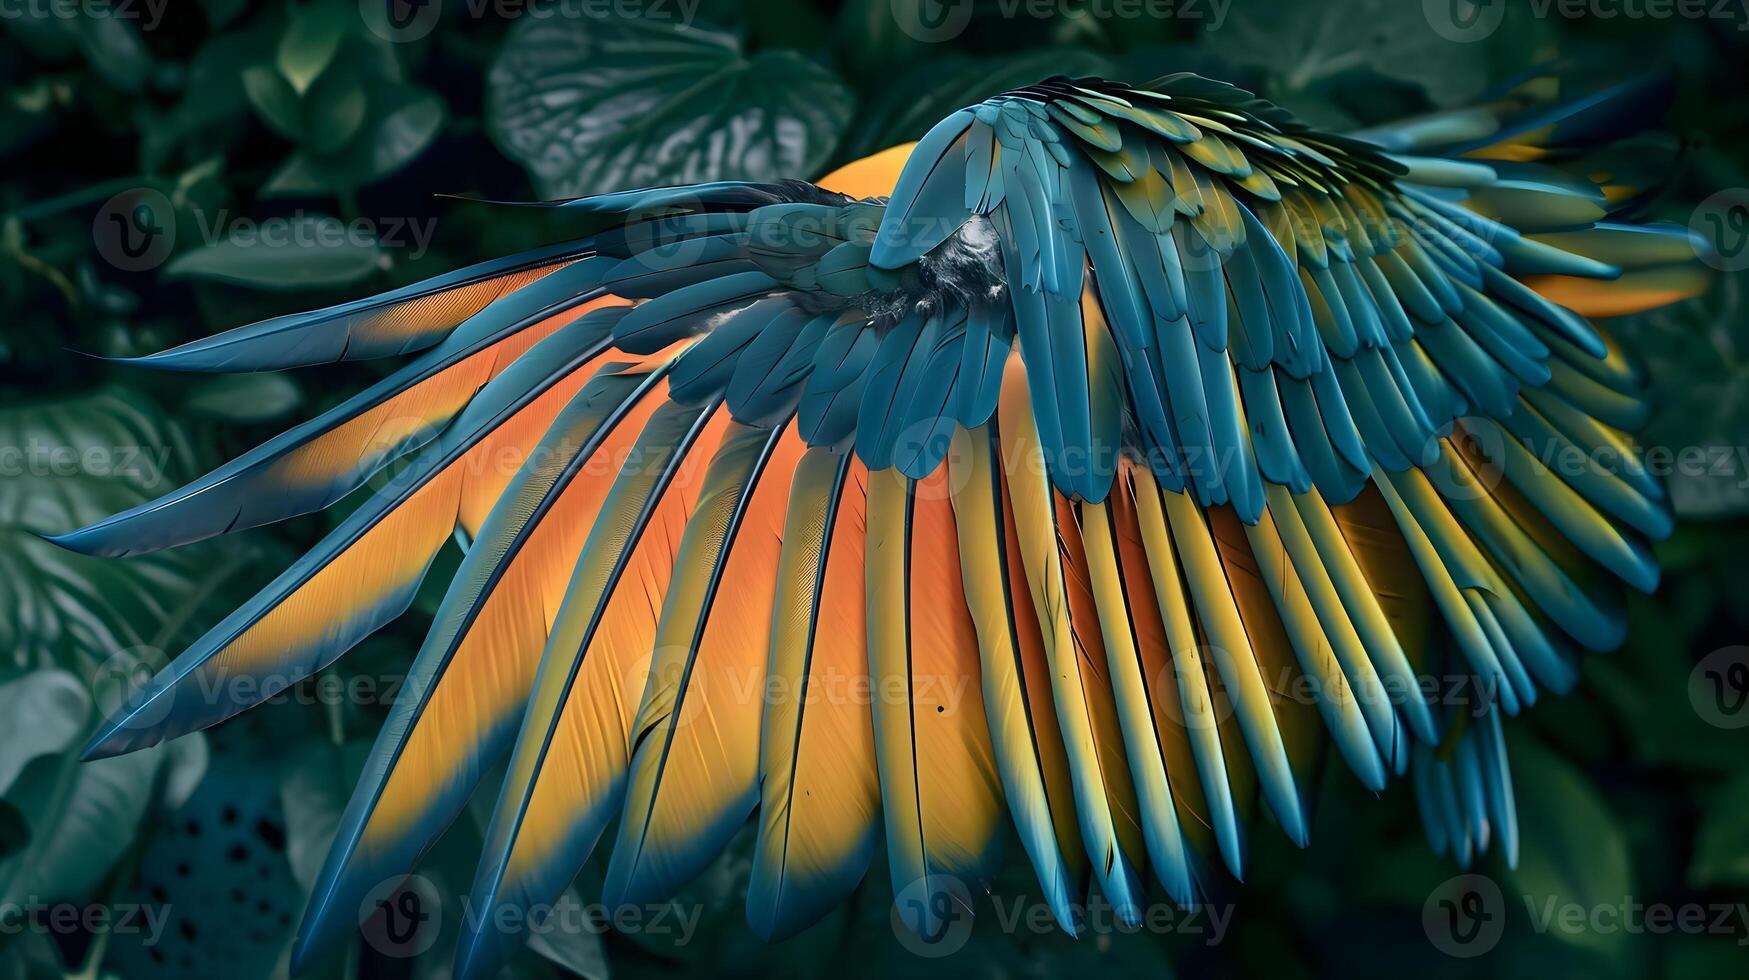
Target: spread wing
{"x":1144,"y":444}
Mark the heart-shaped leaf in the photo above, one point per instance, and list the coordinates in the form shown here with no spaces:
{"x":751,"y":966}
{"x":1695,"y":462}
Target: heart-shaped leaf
{"x":590,"y":104}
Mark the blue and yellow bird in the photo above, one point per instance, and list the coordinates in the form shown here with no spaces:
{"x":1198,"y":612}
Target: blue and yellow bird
{"x":1094,"y":465}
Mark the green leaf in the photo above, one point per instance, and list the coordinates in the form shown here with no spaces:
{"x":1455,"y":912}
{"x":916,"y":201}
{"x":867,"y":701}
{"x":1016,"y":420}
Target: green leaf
{"x":247,"y":398}
{"x":185,"y":765}
{"x":79,"y":460}
{"x":577,"y":950}
{"x":1573,"y":853}
{"x":588,"y":105}
{"x":213,"y":95}
{"x":314,"y":789}
{"x":275,"y":101}
{"x":401,"y":122}
{"x":116,"y":51}
{"x":82,"y":818}
{"x":301,"y":252}
{"x":309,"y":44}
{"x":41,"y":714}
{"x":1697,"y":355}
{"x":334,"y":109}
{"x":1721,"y":849}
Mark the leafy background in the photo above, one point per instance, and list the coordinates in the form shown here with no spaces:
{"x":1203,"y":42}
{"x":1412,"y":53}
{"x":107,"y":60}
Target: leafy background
{"x":1630,"y":791}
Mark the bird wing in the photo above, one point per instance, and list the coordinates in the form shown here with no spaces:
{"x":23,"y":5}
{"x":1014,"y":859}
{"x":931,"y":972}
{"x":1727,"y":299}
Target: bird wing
{"x":1144,"y":443}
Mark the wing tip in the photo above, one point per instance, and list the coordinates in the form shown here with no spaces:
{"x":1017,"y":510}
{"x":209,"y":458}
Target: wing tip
{"x":104,"y":745}
{"x":98,"y":540}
